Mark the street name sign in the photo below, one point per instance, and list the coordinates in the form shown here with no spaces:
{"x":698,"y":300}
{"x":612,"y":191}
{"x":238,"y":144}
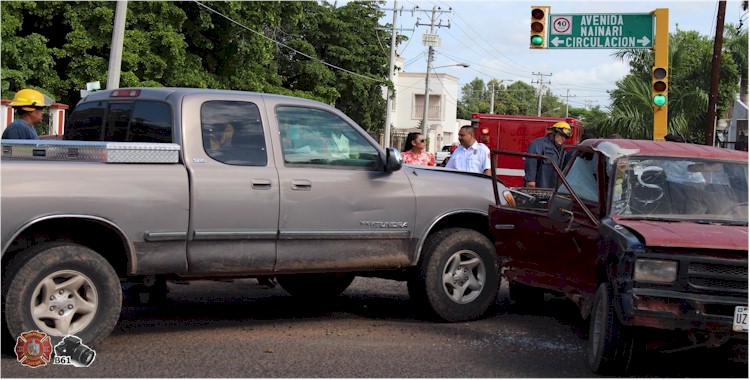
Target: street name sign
{"x":601,"y":31}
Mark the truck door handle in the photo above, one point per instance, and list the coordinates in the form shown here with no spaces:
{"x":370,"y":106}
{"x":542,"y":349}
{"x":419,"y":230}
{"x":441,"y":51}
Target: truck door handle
{"x":301,"y":184}
{"x":261,"y":184}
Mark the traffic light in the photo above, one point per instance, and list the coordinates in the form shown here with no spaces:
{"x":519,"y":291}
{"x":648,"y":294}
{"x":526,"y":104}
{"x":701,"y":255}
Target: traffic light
{"x":659,"y":86}
{"x":539,"y":16}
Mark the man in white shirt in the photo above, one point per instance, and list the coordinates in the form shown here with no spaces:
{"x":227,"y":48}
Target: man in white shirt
{"x":471,"y":155}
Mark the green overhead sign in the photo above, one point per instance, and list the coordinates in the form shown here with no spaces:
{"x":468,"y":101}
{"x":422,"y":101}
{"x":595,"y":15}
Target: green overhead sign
{"x":601,"y":31}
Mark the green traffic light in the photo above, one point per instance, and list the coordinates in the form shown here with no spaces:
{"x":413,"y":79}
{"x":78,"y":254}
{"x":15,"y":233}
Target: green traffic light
{"x":537,"y":40}
{"x":660,"y":100}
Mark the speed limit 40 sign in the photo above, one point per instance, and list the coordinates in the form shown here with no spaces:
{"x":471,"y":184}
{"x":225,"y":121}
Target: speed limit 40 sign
{"x":562,"y":25}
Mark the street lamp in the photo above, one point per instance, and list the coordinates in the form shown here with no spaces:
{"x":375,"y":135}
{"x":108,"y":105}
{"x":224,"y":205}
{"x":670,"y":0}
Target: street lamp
{"x":552,"y":110}
{"x":427,"y":91}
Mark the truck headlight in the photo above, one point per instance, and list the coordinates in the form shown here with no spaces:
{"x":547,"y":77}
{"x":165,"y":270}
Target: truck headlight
{"x":662,"y":271}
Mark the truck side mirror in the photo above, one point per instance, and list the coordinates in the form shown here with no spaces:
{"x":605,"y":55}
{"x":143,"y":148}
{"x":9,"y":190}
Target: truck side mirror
{"x":393,"y":160}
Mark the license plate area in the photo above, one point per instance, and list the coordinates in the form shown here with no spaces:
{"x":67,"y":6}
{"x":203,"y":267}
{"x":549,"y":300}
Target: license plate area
{"x":740,"y":318}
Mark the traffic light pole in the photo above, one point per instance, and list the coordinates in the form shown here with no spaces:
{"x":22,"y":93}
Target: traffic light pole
{"x":661,"y":59}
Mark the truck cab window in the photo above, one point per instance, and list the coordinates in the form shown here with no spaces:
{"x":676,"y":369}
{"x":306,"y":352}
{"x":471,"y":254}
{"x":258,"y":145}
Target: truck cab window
{"x":582,"y":178}
{"x":87,"y":122}
{"x":233,"y":133}
{"x":139,"y":121}
{"x":319,"y":138}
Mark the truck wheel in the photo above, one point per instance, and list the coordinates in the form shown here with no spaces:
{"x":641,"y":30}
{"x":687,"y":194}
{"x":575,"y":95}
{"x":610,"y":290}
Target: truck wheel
{"x":62,"y":289}
{"x":315,"y":285}
{"x":525,"y":296}
{"x":610,"y":345}
{"x":458,"y":277}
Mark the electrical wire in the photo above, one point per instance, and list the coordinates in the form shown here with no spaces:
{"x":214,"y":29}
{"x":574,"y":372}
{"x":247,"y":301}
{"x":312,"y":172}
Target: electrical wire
{"x":286,"y":46}
{"x":486,"y":42}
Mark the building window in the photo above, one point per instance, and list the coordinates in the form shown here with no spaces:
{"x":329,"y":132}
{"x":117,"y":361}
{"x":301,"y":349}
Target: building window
{"x":435,"y":110}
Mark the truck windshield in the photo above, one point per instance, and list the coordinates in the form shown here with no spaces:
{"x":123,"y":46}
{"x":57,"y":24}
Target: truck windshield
{"x":681,"y":188}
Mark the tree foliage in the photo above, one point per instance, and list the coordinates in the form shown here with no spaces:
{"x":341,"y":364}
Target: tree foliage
{"x":517,"y":98}
{"x":689,"y":81}
{"x":274,"y":47}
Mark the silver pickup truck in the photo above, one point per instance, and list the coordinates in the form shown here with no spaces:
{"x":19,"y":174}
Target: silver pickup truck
{"x":157,"y":184}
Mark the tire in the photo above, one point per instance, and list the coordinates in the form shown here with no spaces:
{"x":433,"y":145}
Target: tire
{"x":525,"y":296}
{"x":65,"y":278}
{"x":610,"y":346}
{"x":458,"y":276}
{"x":317,"y":285}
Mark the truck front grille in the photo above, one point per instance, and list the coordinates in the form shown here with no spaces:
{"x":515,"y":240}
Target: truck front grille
{"x":718,"y":277}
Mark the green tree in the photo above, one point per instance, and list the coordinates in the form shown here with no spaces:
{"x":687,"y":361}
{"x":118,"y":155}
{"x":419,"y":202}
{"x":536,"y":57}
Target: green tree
{"x":474,"y":99}
{"x":518,"y":98}
{"x":689,"y":70}
{"x":521,"y":99}
{"x":735,"y":42}
{"x":59,"y":46}
{"x":592,"y":119}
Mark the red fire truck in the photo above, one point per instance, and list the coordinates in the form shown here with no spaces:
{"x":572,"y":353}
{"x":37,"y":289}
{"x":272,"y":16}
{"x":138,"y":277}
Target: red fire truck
{"x":514,"y":133}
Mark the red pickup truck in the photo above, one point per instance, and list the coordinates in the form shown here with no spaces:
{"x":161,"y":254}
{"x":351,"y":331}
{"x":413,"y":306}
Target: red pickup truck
{"x":649,"y":239}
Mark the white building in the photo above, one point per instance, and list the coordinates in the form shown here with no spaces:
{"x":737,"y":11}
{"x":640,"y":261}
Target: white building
{"x":407,"y":109}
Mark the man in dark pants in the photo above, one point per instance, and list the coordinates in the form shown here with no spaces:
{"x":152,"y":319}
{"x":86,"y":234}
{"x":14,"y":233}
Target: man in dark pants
{"x":539,"y":173}
{"x":29,"y":105}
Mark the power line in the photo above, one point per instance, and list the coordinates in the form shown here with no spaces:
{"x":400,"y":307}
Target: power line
{"x":480,"y":65}
{"x":487,"y":43}
{"x":286,"y":46}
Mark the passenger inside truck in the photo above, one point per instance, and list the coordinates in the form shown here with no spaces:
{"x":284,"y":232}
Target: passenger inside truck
{"x":318,"y":138}
{"x":233,"y":133}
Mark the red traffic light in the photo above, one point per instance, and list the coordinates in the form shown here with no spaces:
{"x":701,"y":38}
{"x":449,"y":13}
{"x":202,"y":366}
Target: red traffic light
{"x":537,"y":14}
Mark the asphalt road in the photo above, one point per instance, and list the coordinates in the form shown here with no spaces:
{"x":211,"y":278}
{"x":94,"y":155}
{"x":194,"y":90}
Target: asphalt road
{"x":241,"y":329}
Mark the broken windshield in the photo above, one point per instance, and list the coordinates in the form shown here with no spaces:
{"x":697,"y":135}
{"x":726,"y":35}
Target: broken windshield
{"x":681,"y":188}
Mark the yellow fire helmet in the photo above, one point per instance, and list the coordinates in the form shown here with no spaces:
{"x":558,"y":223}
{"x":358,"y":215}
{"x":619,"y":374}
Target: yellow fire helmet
{"x":29,"y":100}
{"x":563,"y":128}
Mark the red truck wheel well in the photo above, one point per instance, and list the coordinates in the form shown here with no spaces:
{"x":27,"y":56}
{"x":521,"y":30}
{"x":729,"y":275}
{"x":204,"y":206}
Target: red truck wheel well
{"x":93,"y":234}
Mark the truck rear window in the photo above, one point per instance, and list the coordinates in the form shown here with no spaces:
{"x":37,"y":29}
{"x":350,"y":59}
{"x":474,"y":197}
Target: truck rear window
{"x":136,"y":121}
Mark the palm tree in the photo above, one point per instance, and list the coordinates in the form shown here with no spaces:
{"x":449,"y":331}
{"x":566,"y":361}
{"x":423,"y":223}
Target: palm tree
{"x":632,"y":110}
{"x":736,"y":45}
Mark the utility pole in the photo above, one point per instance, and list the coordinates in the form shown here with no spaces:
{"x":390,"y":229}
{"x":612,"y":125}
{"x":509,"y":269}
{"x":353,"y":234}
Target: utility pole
{"x":713,"y":92}
{"x":430,"y":40}
{"x":567,"y":101}
{"x":115,"y":52}
{"x":492,"y":98}
{"x":541,"y":89}
{"x":391,"y":77}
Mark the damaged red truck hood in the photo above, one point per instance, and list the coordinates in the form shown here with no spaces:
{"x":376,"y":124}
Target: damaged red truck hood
{"x":689,"y":235}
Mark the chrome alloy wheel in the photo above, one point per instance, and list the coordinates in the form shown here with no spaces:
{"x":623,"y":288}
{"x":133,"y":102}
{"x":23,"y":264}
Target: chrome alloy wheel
{"x":64,"y":303}
{"x":464,"y":276}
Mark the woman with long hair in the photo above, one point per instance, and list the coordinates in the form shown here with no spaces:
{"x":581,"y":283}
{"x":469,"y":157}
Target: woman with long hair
{"x":414,"y":150}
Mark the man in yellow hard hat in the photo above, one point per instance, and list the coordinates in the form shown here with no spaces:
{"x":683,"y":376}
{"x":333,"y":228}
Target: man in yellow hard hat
{"x":29,"y":105}
{"x":537,"y":172}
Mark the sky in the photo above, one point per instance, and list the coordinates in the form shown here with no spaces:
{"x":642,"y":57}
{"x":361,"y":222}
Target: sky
{"x":493,"y":38}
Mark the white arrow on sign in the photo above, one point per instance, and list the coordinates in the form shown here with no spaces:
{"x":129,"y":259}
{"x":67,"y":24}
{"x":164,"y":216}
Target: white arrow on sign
{"x":643,"y":41}
{"x":557,"y":41}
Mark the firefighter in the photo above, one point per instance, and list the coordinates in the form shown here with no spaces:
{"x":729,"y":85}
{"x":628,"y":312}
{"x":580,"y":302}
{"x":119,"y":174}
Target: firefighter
{"x":29,"y":105}
{"x":539,"y":173}
{"x":471,"y":155}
